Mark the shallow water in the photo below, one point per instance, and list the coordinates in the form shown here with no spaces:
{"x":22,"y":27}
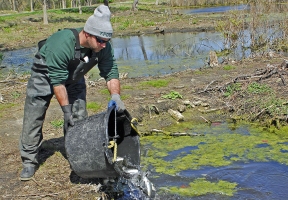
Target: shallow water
{"x":143,"y":55}
{"x":214,"y":9}
{"x":251,"y":160}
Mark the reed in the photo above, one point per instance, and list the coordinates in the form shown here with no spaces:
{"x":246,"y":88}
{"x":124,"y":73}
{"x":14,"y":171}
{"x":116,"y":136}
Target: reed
{"x":261,"y":27}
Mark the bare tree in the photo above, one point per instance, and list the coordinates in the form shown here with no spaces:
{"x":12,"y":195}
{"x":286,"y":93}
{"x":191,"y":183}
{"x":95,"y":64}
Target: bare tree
{"x":88,"y":2}
{"x":45,"y":17}
{"x":13,"y":5}
{"x":134,"y":5}
{"x":63,"y":4}
{"x":80,"y":8}
{"x":73,"y":3}
{"x":31,"y":6}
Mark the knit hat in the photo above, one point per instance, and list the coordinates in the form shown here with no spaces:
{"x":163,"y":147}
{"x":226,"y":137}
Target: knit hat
{"x":99,"y":23}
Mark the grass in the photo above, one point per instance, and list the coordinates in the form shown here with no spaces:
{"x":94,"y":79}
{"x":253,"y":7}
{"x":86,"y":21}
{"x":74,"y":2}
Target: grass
{"x":4,"y":107}
{"x":155,"y":83}
{"x":232,"y":88}
{"x":58,"y":123}
{"x":228,"y":67}
{"x":93,"y":106}
{"x":257,"y":88}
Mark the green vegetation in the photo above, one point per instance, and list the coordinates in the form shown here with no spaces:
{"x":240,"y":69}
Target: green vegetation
{"x":58,"y":123}
{"x":155,"y":83}
{"x":93,"y":106}
{"x":126,"y":87}
{"x":15,"y":95}
{"x":4,"y":107}
{"x":125,"y":96}
{"x":105,"y":92}
{"x":232,"y":88}
{"x":172,"y":95}
{"x":201,"y":187}
{"x":257,"y":88}
{"x":228,"y":67}
{"x":221,"y":147}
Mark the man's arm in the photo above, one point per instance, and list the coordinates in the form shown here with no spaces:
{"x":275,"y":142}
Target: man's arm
{"x":113,"y":86}
{"x":61,"y":95}
{"x":114,"y":89}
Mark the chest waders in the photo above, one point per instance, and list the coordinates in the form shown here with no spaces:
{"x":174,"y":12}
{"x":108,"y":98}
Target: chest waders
{"x":38,"y":96}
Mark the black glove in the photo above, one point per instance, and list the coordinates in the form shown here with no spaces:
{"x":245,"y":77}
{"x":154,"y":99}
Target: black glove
{"x":115,"y":100}
{"x":68,"y":118}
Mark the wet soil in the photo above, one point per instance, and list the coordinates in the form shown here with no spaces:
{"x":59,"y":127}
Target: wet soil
{"x":54,"y":179}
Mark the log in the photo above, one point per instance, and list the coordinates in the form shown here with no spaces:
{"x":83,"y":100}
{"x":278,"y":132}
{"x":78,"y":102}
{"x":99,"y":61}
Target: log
{"x":176,"y":115}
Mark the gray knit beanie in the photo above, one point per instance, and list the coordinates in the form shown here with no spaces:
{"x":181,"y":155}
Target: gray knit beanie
{"x":99,"y":23}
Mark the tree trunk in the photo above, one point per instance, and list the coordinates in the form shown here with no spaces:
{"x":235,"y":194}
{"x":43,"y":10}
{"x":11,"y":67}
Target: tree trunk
{"x":134,"y":5}
{"x":63,"y":4}
{"x":157,"y":2}
{"x":13,"y":5}
{"x":80,"y":8}
{"x":31,"y":6}
{"x":45,"y":17}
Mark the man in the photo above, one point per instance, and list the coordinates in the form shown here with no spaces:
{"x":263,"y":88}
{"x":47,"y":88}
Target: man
{"x":59,"y":68}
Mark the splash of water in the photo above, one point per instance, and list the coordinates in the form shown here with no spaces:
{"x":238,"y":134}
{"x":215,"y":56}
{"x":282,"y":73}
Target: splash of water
{"x":133,"y":184}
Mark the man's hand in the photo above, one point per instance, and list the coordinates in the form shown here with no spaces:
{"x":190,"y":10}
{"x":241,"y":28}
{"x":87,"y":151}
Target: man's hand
{"x":115,"y":100}
{"x":68,"y":118}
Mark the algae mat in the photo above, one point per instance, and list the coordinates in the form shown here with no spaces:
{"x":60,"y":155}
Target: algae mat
{"x":222,"y":161}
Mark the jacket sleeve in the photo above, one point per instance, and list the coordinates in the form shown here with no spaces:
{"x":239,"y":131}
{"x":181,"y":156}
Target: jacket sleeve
{"x":107,"y":64}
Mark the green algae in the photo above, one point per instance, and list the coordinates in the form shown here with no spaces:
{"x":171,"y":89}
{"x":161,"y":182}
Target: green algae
{"x":221,"y":145}
{"x":201,"y":186}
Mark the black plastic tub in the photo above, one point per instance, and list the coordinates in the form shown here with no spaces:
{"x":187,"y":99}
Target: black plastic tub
{"x":86,"y":144}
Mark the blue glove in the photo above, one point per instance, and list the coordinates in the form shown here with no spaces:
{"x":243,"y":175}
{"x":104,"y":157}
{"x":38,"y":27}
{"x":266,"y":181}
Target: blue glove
{"x":115,"y":100}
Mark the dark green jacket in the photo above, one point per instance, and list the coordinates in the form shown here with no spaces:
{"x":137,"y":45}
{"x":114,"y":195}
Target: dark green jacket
{"x":59,"y":49}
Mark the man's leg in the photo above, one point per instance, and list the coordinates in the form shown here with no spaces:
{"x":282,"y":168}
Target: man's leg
{"x":36,"y":103}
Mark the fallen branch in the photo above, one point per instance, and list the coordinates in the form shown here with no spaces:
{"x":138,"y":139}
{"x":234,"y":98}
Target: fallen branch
{"x":263,"y":110}
{"x":207,"y":121}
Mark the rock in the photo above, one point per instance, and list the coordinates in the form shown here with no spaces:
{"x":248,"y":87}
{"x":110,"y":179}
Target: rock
{"x":176,"y":115}
{"x":181,"y":108}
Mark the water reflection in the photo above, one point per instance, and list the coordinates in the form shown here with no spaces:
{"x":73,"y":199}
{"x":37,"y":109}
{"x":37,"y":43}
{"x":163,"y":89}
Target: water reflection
{"x":144,"y":55}
{"x":214,"y":9}
{"x":163,"y":54}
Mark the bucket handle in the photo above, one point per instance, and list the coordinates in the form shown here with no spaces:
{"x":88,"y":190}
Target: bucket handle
{"x":113,"y":143}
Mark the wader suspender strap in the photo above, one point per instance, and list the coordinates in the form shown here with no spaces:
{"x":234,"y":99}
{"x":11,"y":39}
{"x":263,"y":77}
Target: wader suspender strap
{"x":77,"y":48}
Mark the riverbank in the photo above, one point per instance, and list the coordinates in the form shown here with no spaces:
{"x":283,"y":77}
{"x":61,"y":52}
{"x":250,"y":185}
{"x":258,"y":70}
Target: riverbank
{"x":26,"y":29}
{"x":204,"y":100}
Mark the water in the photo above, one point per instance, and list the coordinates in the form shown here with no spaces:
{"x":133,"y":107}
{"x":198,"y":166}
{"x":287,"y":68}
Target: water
{"x":143,"y":55}
{"x":253,"y":159}
{"x":214,"y":9}
{"x":160,"y":54}
{"x":133,"y":184}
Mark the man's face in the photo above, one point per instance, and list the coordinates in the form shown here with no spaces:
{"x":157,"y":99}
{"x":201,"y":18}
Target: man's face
{"x":96,"y":43}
